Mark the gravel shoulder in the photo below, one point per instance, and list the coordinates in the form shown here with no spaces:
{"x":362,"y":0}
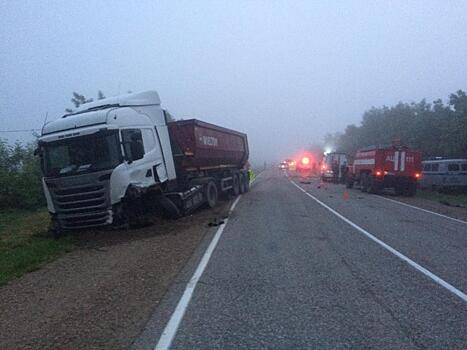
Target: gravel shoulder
{"x":417,"y":201}
{"x":100,"y":295}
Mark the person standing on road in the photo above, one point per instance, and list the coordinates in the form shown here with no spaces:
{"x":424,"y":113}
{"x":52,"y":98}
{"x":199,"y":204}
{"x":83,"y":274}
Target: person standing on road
{"x":251,"y":174}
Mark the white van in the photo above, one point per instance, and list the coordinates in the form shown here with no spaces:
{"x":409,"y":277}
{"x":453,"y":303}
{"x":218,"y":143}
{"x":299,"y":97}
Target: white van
{"x":444,"y":174}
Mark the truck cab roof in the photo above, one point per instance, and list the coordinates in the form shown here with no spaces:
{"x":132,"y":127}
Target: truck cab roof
{"x":146,"y":98}
{"x":96,"y":113}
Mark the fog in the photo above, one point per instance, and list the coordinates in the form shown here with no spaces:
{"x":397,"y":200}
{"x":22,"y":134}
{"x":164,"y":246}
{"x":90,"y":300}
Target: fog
{"x":284,"y":72}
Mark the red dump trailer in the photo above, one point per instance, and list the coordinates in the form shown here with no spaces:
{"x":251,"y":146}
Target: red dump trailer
{"x":209,"y":160}
{"x":201,"y":146}
{"x":378,"y":167}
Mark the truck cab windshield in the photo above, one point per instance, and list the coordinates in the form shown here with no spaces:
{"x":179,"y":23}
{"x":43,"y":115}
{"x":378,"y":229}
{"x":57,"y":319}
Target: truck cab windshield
{"x":82,"y":154}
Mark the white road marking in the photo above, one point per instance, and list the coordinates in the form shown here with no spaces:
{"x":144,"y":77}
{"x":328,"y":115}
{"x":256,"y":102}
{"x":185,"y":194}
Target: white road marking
{"x":425,"y":210}
{"x":171,"y":328}
{"x":412,"y":263}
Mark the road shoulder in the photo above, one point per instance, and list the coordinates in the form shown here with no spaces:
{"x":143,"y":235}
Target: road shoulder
{"x":101,"y":294}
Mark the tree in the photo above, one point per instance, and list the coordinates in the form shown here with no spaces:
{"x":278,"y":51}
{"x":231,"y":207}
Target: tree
{"x":436,"y":129}
{"x":79,"y":99}
{"x":20,"y":177}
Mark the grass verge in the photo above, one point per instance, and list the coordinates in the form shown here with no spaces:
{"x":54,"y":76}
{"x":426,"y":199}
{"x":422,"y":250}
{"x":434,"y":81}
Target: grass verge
{"x":454,"y":200}
{"x":25,"y":244}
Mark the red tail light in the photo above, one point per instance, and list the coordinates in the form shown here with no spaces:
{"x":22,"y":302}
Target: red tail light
{"x":323,"y":167}
{"x":379,"y":173}
{"x":417,"y":175}
{"x":305,"y":160}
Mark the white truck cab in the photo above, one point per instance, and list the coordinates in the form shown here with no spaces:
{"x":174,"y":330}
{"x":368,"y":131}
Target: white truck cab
{"x":91,"y":157}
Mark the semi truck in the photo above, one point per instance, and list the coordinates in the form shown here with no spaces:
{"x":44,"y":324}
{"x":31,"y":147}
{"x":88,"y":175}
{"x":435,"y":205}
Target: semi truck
{"x":333,"y":166}
{"x":378,"y":167}
{"x":113,"y":160}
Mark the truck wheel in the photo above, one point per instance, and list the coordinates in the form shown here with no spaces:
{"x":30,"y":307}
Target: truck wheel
{"x":211,"y":194}
{"x":411,"y":190}
{"x":374,"y":187}
{"x":235,"y":184}
{"x":170,"y":209}
{"x":364,"y":183}
{"x":242,"y":182}
{"x":247,"y":181}
{"x":55,"y":230}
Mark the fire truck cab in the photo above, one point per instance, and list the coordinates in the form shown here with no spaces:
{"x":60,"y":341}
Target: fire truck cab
{"x":334,"y":167}
{"x":378,"y":167}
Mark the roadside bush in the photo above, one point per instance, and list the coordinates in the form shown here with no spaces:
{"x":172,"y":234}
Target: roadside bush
{"x":20,"y":177}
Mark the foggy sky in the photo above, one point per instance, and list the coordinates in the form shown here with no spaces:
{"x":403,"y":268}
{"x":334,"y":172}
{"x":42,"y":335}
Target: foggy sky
{"x":284,"y":72}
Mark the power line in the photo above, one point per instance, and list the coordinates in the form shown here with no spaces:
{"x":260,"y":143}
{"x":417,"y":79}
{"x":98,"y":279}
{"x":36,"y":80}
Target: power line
{"x":20,"y":130}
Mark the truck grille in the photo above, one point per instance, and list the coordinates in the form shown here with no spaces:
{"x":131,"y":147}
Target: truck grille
{"x":80,"y":206}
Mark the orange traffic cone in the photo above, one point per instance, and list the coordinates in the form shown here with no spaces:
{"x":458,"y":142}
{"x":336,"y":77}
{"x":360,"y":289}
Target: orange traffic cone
{"x":345,"y":195}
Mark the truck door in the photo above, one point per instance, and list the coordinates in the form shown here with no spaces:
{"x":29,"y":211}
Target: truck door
{"x":154,"y":151}
{"x":144,"y":156}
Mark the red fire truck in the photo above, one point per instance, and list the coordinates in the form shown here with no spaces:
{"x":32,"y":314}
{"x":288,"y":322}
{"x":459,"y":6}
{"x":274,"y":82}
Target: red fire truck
{"x":306,"y":166}
{"x":378,"y":167}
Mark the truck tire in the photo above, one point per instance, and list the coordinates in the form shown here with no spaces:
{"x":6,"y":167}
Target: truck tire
{"x":411,"y":190}
{"x":235,"y":184}
{"x":242,"y":182}
{"x":373,"y":185}
{"x":55,"y":230}
{"x":364,"y":182}
{"x":170,"y":209}
{"x":211,"y":194}
{"x":247,"y":181}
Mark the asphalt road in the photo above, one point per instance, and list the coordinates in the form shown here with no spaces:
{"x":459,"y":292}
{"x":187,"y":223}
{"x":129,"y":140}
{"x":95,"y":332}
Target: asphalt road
{"x":289,"y":273}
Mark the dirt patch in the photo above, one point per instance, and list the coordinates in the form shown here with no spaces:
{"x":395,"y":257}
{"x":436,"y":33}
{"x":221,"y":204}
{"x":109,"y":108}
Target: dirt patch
{"x":100,"y":295}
